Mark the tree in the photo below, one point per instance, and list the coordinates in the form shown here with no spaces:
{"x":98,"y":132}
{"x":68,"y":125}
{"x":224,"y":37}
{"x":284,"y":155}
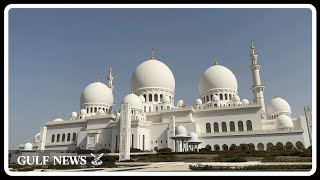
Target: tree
{"x":300,"y":146}
{"x":289,"y":146}
{"x":251,"y":147}
{"x":233,"y":147}
{"x":243,"y":147}
{"x":279,"y":146}
{"x":270,"y":146}
{"x":104,"y":150}
{"x":208,"y":148}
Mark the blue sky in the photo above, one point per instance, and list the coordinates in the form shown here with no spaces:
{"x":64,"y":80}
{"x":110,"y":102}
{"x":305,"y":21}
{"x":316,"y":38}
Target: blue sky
{"x":55,"y":53}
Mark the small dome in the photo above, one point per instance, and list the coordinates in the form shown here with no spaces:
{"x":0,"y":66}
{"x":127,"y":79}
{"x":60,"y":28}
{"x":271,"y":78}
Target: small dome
{"x":118,"y":114}
{"x":245,"y":101}
{"x":83,"y":111}
{"x":143,"y":100}
{"x":284,"y":121}
{"x":36,"y":138}
{"x":28,"y":147}
{"x":236,"y":98}
{"x":100,"y":111}
{"x":215,"y":98}
{"x":198,"y":102}
{"x":152,"y":74}
{"x":165,"y":99}
{"x":278,"y":106}
{"x":194,"y":136}
{"x":133,"y":100}
{"x":58,"y":120}
{"x":180,"y":103}
{"x":74,"y":114}
{"x":97,"y":92}
{"x":181,"y":131}
{"x":217,"y":77}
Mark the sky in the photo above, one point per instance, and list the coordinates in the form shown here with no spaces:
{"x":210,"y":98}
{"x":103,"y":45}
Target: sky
{"x":55,"y":53}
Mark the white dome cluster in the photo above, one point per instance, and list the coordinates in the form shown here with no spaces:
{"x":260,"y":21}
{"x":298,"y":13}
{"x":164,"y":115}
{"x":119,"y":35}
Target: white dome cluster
{"x":193,"y":137}
{"x":165,"y":99}
{"x":217,"y":77}
{"x":152,"y":74}
{"x":134,"y":101}
{"x":284,"y":121}
{"x":198,"y":102}
{"x":278,"y":106}
{"x":180,"y":103}
{"x":181,"y":131}
{"x":97,"y":93}
{"x":245,"y":102}
{"x":58,"y":120}
{"x":28,"y":147}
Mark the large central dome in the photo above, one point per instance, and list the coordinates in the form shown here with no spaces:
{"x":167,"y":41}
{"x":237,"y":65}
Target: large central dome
{"x":152,"y":74}
{"x":217,"y":77}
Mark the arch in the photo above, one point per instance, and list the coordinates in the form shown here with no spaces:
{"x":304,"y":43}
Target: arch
{"x":207,"y":98}
{"x":232,"y":126}
{"x":168,"y":107}
{"x":155,"y":97}
{"x":270,"y":146}
{"x":52,"y":138}
{"x":156,"y":108}
{"x":216,"y":127}
{"x":161,"y":96}
{"x":58,"y":137}
{"x":240,"y":126}
{"x":87,"y":110}
{"x":249,"y":125}
{"x":216,"y":147}
{"x":221,"y":97}
{"x":224,"y":127}
{"x":63,"y":137}
{"x":145,"y":109}
{"x":208,"y":128}
{"x":260,"y":147}
{"x":215,"y":105}
{"x":145,"y":97}
{"x":95,"y":109}
{"x":226,"y":96}
{"x":132,"y":138}
{"x":74,"y":135}
{"x":68,"y":137}
{"x":229,"y":96}
{"x":279,"y":146}
{"x":150,"y":97}
{"x":225,"y":147}
{"x":211,"y":97}
{"x":91,"y":110}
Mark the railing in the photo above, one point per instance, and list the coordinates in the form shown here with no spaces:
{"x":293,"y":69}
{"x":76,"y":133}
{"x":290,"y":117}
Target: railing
{"x":283,"y":130}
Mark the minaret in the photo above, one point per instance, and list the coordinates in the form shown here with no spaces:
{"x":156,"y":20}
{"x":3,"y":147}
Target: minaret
{"x":257,"y":88}
{"x":152,"y":54}
{"x":110,"y":78}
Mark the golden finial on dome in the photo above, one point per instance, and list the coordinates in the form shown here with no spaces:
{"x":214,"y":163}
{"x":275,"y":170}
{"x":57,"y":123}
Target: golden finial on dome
{"x":131,"y":90}
{"x":215,"y":60}
{"x":98,"y":78}
{"x":252,"y":47}
{"x":152,"y":54}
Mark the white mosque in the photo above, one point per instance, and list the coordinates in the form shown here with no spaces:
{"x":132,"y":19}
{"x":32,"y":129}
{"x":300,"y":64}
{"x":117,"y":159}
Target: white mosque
{"x":149,"y":118}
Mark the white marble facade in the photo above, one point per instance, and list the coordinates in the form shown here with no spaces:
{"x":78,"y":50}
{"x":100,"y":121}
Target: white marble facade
{"x":219,"y":118}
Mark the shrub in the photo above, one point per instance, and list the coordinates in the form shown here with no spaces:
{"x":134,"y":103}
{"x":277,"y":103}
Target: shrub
{"x":251,"y":147}
{"x":83,"y":151}
{"x":135,"y":150}
{"x":279,"y":146}
{"x":289,"y":146}
{"x":25,"y":169}
{"x":156,"y":148}
{"x":208,"y":148}
{"x":244,"y":147}
{"x":229,"y":158}
{"x":300,"y":146}
{"x":233,"y":147}
{"x":165,"y":150}
{"x":103,"y":150}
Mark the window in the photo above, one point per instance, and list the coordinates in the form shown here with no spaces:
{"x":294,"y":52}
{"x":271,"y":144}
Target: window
{"x":161,"y":107}
{"x":132,"y":141}
{"x":240,"y":125}
{"x":226,"y":96}
{"x":145,"y":109}
{"x":208,"y":128}
{"x":211,"y":97}
{"x":156,"y":97}
{"x":87,"y":110}
{"x":58,"y":137}
{"x":229,"y":96}
{"x":91,"y":110}
{"x":249,"y":125}
{"x":224,"y":127}
{"x":161,"y":95}
{"x":216,"y":127}
{"x":150,"y":97}
{"x":161,"y":142}
{"x":52,"y":138}
{"x":95,"y":109}
{"x":168,"y":107}
{"x":207,"y":98}
{"x":157,"y":108}
{"x":149,"y":108}
{"x":221,"y":97}
{"x":74,"y":137}
{"x":145,"y":97}
{"x":215,"y":105}
{"x":68,"y":137}
{"x":232,"y":126}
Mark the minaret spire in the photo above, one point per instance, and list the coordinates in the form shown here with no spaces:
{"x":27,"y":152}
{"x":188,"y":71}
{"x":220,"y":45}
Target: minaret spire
{"x":152,"y":54}
{"x":257,"y":88}
{"x":110,"y":78}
